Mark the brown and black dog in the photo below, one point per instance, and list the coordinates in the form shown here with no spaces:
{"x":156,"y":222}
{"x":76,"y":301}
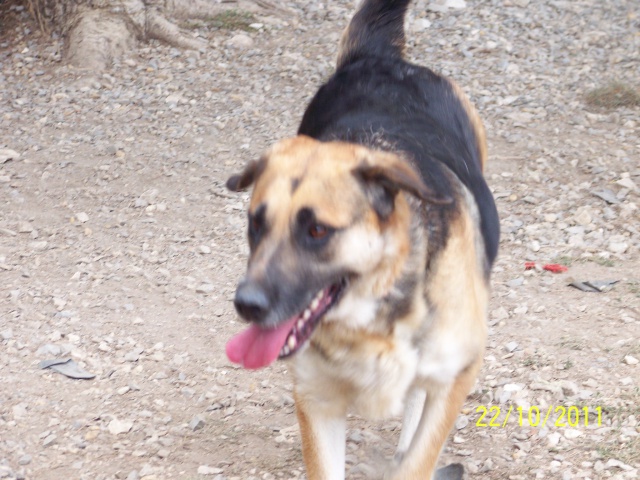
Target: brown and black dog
{"x":372,"y":236}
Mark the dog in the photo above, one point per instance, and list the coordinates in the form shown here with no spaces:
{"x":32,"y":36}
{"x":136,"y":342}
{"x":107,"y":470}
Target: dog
{"x":372,"y":235}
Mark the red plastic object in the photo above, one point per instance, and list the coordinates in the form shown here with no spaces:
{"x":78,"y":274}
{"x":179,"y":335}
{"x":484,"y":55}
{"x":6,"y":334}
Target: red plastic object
{"x":529,"y":265}
{"x":555,"y":268}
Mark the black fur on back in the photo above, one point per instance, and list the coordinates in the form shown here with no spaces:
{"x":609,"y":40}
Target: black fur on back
{"x":378,"y":99}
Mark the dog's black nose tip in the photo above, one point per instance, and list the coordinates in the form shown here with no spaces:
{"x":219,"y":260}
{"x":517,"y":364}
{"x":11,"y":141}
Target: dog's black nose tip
{"x":251,"y":302}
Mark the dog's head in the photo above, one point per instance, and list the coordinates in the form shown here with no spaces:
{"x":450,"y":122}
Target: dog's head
{"x":322,"y":217}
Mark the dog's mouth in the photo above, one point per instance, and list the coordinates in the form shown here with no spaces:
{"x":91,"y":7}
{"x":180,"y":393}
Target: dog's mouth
{"x":308,"y":320}
{"x":258,"y":347}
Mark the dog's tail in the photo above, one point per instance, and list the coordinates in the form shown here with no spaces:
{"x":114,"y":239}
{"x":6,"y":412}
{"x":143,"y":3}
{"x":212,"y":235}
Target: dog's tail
{"x":376,"y":29}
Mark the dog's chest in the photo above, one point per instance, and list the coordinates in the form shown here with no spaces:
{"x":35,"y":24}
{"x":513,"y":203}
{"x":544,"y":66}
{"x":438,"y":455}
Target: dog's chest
{"x":370,"y":377}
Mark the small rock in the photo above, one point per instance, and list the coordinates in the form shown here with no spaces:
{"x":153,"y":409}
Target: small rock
{"x":174,"y":98}
{"x":462,"y":422}
{"x":133,"y":475}
{"x":607,"y":195}
{"x":204,"y":249}
{"x":500,"y":314}
{"x":631,"y":360}
{"x":197,"y":423}
{"x":6,"y":472}
{"x":205,"y":288}
{"x":25,"y":227}
{"x":511,"y":346}
{"x":516,"y":282}
{"x":444,"y":5}
{"x":207,"y":470}
{"x":7,"y":334}
{"x":133,"y":355}
{"x":82,"y":217}
{"x":572,"y":433}
{"x":116,"y":427}
{"x":49,"y":350}
{"x":613,"y":463}
{"x":240,"y":41}
{"x":421,"y":24}
{"x":25,"y":459}
{"x":582,"y":216}
{"x":7,"y":154}
{"x":618,"y":247}
{"x":553,"y":439}
{"x":569,"y":388}
{"x":49,"y":440}
{"x":627,"y":183}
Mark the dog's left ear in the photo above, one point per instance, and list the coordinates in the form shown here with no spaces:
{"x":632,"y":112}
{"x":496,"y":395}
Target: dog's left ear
{"x":250,"y":175}
{"x":386,"y":175}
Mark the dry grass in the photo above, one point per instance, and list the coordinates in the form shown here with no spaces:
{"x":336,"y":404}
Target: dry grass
{"x":614,"y":95}
{"x":228,"y":20}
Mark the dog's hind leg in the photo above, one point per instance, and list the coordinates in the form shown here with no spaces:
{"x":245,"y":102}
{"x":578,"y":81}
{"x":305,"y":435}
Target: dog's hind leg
{"x":439,"y":414}
{"x":323,"y":439}
{"x":410,"y":420}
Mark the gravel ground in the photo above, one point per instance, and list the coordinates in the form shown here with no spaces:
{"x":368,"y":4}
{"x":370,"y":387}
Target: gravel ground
{"x":120,"y":248}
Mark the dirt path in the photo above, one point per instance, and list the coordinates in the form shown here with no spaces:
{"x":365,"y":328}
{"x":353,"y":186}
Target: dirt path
{"x":120,"y":248}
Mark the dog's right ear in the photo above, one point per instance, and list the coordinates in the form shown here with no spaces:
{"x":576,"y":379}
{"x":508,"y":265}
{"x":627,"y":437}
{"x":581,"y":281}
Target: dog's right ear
{"x":384,"y":175}
{"x":249,"y":176}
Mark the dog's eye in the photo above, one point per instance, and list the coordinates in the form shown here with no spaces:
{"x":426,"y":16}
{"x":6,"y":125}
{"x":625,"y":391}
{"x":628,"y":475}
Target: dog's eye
{"x":257,"y":225}
{"x":318,"y":231}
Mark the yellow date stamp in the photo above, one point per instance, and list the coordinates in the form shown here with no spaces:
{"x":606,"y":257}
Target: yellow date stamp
{"x":558,"y":416}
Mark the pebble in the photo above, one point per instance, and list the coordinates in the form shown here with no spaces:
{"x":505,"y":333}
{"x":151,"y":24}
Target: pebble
{"x":511,"y":346}
{"x":207,"y":470}
{"x":116,"y":427}
{"x":82,"y":217}
{"x":205,"y":288}
{"x":630,"y":360}
{"x":240,"y":41}
{"x":197,"y":423}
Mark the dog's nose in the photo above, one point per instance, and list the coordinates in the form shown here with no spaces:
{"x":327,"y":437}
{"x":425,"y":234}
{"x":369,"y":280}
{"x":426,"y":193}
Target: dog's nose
{"x":251,"y":302}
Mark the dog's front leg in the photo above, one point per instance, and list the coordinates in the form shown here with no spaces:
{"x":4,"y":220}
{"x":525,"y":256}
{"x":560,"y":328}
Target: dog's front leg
{"x":322,"y":428}
{"x":443,"y":403}
{"x":413,"y":409}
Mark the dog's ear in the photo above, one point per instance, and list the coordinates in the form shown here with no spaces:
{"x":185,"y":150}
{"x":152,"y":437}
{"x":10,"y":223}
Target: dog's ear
{"x":249,"y":175}
{"x":384,"y":175}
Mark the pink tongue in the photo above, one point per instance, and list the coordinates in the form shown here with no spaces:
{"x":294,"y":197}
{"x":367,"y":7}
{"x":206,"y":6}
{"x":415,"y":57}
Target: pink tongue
{"x":257,"y":348}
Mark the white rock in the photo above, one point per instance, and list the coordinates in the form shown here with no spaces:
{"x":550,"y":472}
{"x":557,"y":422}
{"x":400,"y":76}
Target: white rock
{"x":207,"y":470}
{"x":627,"y":183}
{"x":174,"y":98}
{"x":553,"y":439}
{"x":618,"y":247}
{"x":631,"y":360}
{"x":240,"y":41}
{"x":444,"y":5}
{"x":572,"y":433}
{"x":421,"y":24}
{"x":7,"y":154}
{"x":116,"y":427}
{"x":82,"y":217}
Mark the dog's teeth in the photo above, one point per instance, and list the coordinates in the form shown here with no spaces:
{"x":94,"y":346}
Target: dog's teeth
{"x":291,"y":343}
{"x":320,"y":295}
{"x":306,"y":314}
{"x":314,"y":305}
{"x":285,"y":350}
{"x":300,"y":323}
